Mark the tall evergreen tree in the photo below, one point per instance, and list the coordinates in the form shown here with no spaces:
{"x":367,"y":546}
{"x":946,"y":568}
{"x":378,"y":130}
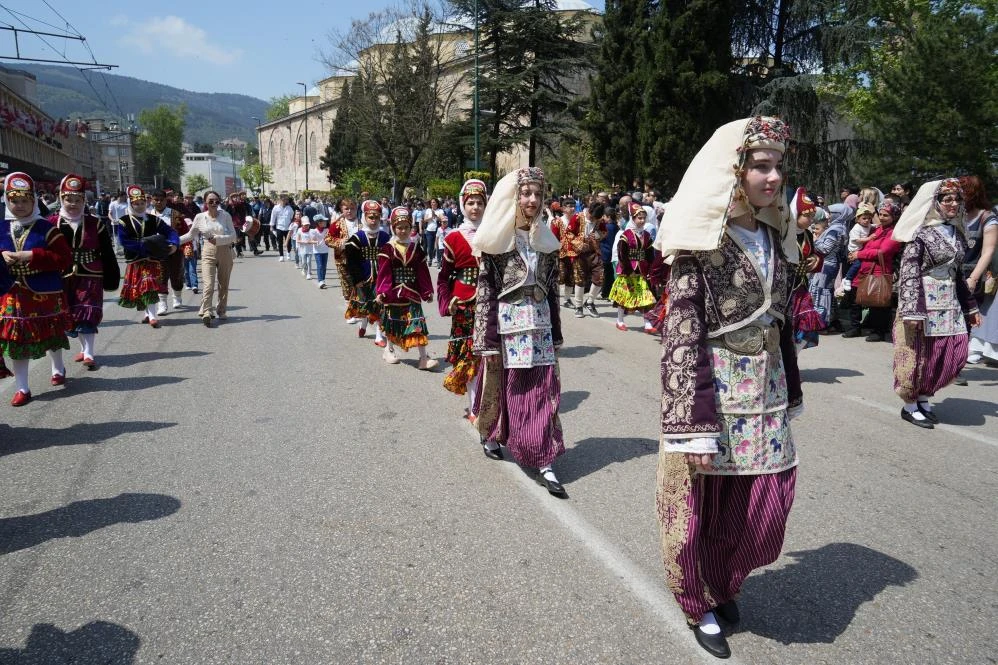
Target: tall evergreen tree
{"x":686,"y":93}
{"x":612,"y":117}
{"x":529,"y":55}
{"x":341,"y":151}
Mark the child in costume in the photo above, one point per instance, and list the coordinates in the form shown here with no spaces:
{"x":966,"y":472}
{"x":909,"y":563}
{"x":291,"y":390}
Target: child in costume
{"x":806,"y":319}
{"x":147,"y":240}
{"x":34,"y":316}
{"x":361,"y":255}
{"x":403,"y":282}
{"x":631,"y":290}
{"x":456,"y":291}
{"x":94,"y":269}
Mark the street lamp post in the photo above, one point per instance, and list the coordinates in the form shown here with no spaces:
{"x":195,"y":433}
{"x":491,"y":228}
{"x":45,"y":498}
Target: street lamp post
{"x":305,"y":87}
{"x":259,"y":142}
{"x":478,"y":165}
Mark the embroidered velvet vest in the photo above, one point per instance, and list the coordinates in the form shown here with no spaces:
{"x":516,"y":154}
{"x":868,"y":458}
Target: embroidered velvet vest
{"x":35,"y":237}
{"x":85,"y":243}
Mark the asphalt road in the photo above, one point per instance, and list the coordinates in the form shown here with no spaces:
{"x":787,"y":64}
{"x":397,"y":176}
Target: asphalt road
{"x":269,"y":491}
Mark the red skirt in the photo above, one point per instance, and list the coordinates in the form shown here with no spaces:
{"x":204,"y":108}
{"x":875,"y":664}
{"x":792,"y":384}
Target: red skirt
{"x":32,"y":323}
{"x":141,"y":286}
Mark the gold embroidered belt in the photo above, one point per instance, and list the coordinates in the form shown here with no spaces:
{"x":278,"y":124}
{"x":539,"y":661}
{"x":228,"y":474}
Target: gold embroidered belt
{"x":533,"y":291}
{"x":751,"y":340}
{"x":370,"y":253}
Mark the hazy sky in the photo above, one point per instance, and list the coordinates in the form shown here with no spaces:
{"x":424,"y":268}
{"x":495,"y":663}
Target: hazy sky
{"x":251,"y":48}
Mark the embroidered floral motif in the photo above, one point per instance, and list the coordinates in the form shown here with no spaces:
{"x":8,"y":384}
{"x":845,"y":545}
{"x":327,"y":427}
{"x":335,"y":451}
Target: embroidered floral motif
{"x":675,"y":482}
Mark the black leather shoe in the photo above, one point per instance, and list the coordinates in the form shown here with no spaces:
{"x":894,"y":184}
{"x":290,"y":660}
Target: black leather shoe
{"x":728,"y":612}
{"x":918,"y":423}
{"x":553,"y":487}
{"x":854,"y":332}
{"x":715,"y":645}
{"x":929,"y":415}
{"x":492,"y":454}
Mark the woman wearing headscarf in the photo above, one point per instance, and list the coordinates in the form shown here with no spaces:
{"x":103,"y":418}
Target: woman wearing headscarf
{"x":830,"y":245}
{"x":94,"y":269}
{"x":876,"y":258}
{"x":518,"y":327}
{"x":935,"y":304}
{"x":456,"y":290}
{"x":730,"y":385}
{"x":34,"y":316}
{"x":146,"y":240}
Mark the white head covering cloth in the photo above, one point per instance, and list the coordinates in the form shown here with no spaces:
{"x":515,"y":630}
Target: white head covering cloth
{"x":496,"y":233}
{"x":697,"y":215}
{"x":922,"y":211}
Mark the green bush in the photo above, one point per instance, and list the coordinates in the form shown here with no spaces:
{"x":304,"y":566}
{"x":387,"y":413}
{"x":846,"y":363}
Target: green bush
{"x":441,"y":189}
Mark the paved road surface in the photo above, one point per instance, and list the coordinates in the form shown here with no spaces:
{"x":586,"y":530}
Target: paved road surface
{"x":271,"y":492}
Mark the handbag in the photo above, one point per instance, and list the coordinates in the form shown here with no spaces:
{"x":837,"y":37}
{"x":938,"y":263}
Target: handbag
{"x":875,"y":290}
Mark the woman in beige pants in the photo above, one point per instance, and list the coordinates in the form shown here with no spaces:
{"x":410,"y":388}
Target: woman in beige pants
{"x":215,"y":226}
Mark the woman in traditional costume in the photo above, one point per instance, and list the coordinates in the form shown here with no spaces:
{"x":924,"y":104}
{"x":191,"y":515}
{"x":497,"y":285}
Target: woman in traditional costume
{"x":518,"y":328}
{"x":730,"y":384}
{"x":34,"y":316}
{"x":95,"y":267}
{"x":403,"y":283}
{"x":457,"y":286}
{"x":341,"y":228}
{"x":806,"y":319}
{"x":147,"y":240}
{"x":935,"y":305}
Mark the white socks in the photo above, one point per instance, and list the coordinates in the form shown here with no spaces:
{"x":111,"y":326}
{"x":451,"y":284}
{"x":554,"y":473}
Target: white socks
{"x":87,"y":342}
{"x":593,"y":292}
{"x":20,"y":369}
{"x":579,"y":294}
{"x":377,"y":333}
{"x":58,"y":366}
{"x":709,"y":625}
{"x":151,"y":311}
{"x":912,"y":408}
{"x":923,"y":403}
{"x":620,"y":315}
{"x":548,"y":473}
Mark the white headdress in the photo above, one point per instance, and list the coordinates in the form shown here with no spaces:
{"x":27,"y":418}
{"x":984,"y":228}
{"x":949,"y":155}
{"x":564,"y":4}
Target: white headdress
{"x":496,"y":234}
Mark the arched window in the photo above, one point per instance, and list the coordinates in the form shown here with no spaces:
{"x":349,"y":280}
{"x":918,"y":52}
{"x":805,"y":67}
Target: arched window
{"x":313,"y":148}
{"x":281,"y":154}
{"x":300,"y":149}
{"x":270,"y":153}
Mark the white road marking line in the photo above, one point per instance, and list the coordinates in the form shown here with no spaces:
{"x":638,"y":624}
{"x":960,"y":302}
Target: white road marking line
{"x":951,"y":429}
{"x":651,"y":592}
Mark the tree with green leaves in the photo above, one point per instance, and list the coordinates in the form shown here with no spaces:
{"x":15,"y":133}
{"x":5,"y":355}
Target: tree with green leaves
{"x":925,"y":95}
{"x":529,"y":55}
{"x":256,"y":175}
{"x":341,"y":150}
{"x":200,"y":146}
{"x":686,"y":87}
{"x":279,"y":107}
{"x":614,"y":105}
{"x":159,"y":147}
{"x":196,"y":183}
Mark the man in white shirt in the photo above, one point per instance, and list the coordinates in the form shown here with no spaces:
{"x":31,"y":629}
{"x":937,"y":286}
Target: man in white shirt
{"x":280,"y":222}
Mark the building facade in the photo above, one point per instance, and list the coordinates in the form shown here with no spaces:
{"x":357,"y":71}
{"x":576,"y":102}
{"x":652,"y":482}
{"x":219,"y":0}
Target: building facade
{"x":113,"y":148}
{"x":31,"y":141}
{"x":222,"y":172}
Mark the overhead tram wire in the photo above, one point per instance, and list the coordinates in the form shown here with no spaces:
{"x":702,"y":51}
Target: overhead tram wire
{"x":17,"y":16}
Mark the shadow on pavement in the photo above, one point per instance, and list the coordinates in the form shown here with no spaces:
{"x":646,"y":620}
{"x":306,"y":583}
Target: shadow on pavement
{"x":97,"y":642}
{"x":826,"y":374}
{"x":590,"y":455}
{"x":578,"y":351}
{"x":266,"y":318}
{"x":94,"y":384}
{"x":571,"y":399}
{"x":82,"y":517}
{"x":23,"y":439}
{"x":815,"y":598}
{"x":128,"y":359}
{"x":962,"y":411}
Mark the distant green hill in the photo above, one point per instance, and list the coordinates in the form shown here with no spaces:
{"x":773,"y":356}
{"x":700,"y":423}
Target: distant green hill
{"x":211,"y":116}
